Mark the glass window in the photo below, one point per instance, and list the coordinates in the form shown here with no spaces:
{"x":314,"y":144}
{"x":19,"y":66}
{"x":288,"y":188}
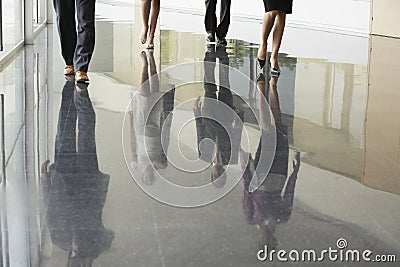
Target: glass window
{"x":39,"y":12}
{"x":12,"y":24}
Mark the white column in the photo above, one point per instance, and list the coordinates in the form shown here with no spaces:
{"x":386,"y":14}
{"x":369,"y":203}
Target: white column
{"x":31,"y":105}
{"x":49,"y":76}
{"x":16,"y":187}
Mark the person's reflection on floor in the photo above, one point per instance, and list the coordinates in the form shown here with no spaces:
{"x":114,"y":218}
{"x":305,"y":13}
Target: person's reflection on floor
{"x":150,"y":122}
{"x":215,"y":118}
{"x":272,"y":202}
{"x":75,"y":190}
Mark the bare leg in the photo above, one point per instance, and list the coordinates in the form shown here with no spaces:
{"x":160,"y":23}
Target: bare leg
{"x":268,"y":23}
{"x":273,"y":108}
{"x":277,"y":38}
{"x":274,"y":100}
{"x":144,"y":83}
{"x":154,"y":81}
{"x":265,"y":113}
{"x":155,"y":10}
{"x":145,"y":20}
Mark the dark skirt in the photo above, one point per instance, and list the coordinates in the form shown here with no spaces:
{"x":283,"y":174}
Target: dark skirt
{"x":281,"y":5}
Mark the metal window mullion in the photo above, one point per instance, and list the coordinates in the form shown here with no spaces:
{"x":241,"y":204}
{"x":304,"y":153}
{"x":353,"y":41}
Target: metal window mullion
{"x":28,"y":22}
{"x":49,"y":11}
{"x":1,"y":25}
{"x":37,"y":12}
{"x":3,"y":153}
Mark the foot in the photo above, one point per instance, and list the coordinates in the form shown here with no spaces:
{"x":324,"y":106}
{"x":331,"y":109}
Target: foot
{"x":69,"y":70}
{"x":222,"y":41}
{"x":274,"y":63}
{"x":143,"y":35}
{"x":81,"y":77}
{"x":143,"y":57}
{"x":266,"y":237}
{"x":150,"y":44}
{"x":81,"y":87}
{"x":261,"y":63}
{"x":150,"y":54}
{"x":261,"y":77}
{"x":210,"y":48}
{"x":275,"y":66}
{"x":211,"y":37}
{"x":275,"y":70}
{"x":261,"y":56}
{"x":69,"y":78}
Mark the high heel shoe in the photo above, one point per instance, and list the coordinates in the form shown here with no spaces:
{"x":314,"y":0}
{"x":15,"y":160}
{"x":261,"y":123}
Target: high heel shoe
{"x":261,"y":62}
{"x":260,"y":77}
{"x":274,"y":72}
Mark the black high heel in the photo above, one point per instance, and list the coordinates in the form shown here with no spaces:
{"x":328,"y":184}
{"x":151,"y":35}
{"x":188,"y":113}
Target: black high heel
{"x":261,"y":62}
{"x":274,"y":72}
{"x":260,"y":77}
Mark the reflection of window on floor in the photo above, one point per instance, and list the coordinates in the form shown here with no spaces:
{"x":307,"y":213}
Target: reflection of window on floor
{"x":332,"y":95}
{"x":330,"y":100}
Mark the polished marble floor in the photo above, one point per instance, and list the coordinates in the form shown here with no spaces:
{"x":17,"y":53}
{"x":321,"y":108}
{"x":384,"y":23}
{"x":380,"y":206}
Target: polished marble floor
{"x":79,"y":190}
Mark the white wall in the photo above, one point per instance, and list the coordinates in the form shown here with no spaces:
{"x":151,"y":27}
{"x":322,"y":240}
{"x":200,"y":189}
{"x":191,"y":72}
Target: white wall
{"x":386,"y":18}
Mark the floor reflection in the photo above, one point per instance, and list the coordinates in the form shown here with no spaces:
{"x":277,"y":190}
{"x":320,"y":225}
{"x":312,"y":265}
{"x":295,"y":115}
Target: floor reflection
{"x":344,"y":127}
{"x":150,"y":115}
{"x":271,"y":203}
{"x":215,"y":117}
{"x":321,"y":99}
{"x":74,"y":188}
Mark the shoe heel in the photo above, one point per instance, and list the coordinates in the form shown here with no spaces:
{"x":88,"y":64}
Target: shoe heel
{"x":275,"y":72}
{"x":260,"y":77}
{"x":261,"y":62}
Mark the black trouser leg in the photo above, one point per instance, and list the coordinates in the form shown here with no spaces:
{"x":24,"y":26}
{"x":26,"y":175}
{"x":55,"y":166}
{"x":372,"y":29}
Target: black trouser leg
{"x":210,"y":88}
{"x":87,"y":153}
{"x":225,"y":18}
{"x":210,"y":20}
{"x":86,"y":34}
{"x":225,"y":94}
{"x":65,"y":146}
{"x":65,"y":13}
